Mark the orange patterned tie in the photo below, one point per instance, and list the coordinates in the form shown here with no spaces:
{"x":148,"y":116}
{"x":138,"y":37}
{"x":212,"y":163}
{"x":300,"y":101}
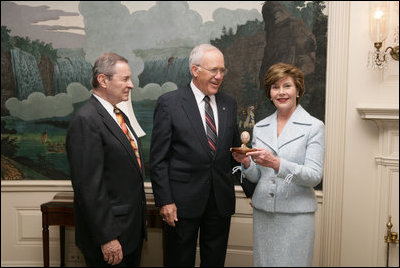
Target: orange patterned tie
{"x":124,"y":128}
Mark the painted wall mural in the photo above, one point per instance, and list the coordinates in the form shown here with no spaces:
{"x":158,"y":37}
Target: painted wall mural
{"x":48,"y":48}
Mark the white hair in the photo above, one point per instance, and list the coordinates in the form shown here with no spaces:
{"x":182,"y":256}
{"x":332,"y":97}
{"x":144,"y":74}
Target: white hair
{"x":196,"y":56}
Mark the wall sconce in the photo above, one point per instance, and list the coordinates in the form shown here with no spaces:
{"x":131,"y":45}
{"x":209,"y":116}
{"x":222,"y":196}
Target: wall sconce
{"x":379,"y":24}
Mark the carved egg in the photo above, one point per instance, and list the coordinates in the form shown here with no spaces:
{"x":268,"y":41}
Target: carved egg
{"x":245,"y":137}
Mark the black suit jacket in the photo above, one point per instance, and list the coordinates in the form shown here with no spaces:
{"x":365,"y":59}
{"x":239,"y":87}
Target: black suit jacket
{"x":182,"y":165}
{"x":109,"y":198}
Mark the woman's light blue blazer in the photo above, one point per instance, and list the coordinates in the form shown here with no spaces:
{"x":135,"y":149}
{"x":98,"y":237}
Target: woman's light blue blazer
{"x":301,"y":148}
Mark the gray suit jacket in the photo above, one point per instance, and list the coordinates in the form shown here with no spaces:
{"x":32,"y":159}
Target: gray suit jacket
{"x":301,"y":148}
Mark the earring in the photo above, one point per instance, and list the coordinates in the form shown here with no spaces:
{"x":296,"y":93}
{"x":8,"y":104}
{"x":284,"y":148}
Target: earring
{"x":298,"y":96}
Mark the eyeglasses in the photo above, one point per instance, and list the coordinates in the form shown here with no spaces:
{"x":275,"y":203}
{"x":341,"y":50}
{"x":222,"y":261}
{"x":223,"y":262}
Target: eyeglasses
{"x":214,"y":71}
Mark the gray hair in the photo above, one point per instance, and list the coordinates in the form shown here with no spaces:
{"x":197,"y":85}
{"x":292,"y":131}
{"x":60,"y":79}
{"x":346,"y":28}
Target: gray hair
{"x":196,"y":56}
{"x":105,"y":65}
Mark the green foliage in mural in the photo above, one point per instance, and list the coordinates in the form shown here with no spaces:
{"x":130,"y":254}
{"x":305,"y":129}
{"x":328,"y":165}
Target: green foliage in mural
{"x":248,"y":29}
{"x":5,"y":38}
{"x":37,"y":48}
{"x":248,"y":91}
{"x":305,"y":10}
{"x":9,"y":146}
{"x":226,"y":39}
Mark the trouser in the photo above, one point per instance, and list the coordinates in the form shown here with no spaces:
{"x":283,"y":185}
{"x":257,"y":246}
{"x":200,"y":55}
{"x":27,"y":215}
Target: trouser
{"x":181,"y":240}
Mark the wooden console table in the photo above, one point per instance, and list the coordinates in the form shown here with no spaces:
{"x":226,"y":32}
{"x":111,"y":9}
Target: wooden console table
{"x":60,"y":211}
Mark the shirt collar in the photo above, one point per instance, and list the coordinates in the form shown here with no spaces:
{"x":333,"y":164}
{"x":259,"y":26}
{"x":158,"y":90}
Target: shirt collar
{"x":107,"y":105}
{"x":199,"y":95}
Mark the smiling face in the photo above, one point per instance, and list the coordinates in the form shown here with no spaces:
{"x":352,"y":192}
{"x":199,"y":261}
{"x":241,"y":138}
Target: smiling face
{"x":202,"y":77}
{"x":283,"y":95}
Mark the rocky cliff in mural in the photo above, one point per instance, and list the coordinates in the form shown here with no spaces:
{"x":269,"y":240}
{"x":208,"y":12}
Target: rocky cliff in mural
{"x":288,"y":39}
{"x":282,"y":37}
{"x":298,"y":37}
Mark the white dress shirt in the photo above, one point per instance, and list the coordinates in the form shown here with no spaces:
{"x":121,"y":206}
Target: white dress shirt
{"x":199,"y":95}
{"x":110,"y":109}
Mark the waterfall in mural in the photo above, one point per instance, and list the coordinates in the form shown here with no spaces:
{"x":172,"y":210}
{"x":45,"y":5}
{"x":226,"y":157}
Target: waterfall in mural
{"x":174,"y":70}
{"x":26,"y":72}
{"x":39,"y":145}
{"x":66,"y":70}
{"x":71,"y":69}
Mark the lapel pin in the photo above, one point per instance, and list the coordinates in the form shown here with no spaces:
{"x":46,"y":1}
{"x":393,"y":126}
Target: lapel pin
{"x":223,"y":108}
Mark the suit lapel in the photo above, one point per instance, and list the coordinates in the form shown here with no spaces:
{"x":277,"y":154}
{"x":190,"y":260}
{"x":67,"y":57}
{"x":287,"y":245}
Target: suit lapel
{"x":222,"y":118}
{"x":116,"y":130}
{"x":293,"y":129}
{"x":264,"y":129}
{"x":290,"y":133}
{"x":192,"y":111}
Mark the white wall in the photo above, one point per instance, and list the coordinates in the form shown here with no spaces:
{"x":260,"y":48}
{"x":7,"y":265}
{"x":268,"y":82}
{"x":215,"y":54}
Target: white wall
{"x":21,"y":222}
{"x":366,"y":88}
{"x":359,"y":191}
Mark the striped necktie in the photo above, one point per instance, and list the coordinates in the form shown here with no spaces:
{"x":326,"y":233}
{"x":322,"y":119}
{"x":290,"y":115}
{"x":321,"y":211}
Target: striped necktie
{"x":124,"y":128}
{"x":211,"y":130}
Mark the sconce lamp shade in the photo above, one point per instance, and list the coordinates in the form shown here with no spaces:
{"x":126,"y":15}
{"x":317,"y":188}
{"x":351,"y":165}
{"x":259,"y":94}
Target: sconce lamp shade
{"x":379,"y":20}
{"x":379,"y":26}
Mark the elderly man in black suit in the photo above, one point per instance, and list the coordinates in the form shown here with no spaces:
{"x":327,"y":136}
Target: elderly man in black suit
{"x":190,"y":158}
{"x":107,"y":171}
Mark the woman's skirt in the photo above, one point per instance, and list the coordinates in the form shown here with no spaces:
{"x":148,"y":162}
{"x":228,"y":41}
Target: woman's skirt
{"x":283,"y":239}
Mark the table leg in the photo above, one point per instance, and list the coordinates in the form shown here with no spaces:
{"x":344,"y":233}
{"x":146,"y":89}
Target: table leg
{"x":62,"y":245}
{"x":45,"y":233}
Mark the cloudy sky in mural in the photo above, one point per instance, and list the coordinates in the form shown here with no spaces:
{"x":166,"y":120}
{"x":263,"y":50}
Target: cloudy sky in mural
{"x":45,"y":20}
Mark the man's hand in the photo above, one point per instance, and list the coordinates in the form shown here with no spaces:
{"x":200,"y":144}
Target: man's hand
{"x":168,"y":214}
{"x":112,"y":252}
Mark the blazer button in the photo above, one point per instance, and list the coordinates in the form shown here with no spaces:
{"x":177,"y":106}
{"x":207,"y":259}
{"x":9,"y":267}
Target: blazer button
{"x":271,"y":194}
{"x":273,"y":181}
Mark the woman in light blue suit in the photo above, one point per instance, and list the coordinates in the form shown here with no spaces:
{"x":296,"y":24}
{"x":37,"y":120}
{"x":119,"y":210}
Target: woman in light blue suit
{"x":286,"y":166}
